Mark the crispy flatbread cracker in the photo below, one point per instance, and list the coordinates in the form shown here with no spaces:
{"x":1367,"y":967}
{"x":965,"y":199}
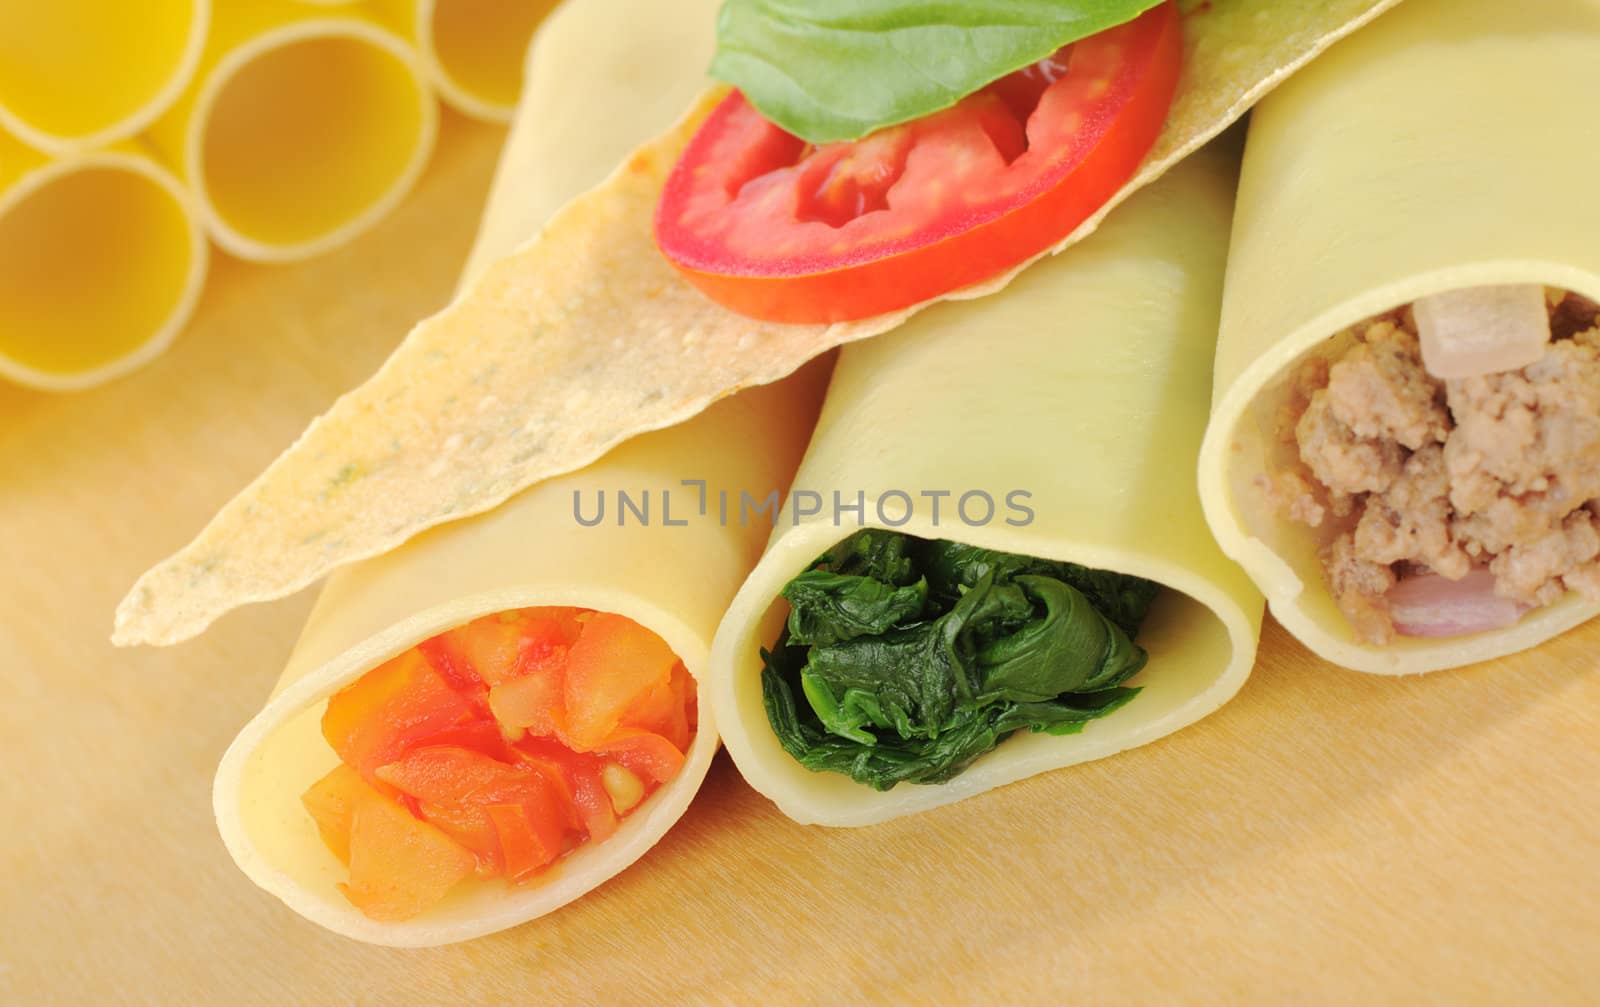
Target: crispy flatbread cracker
{"x":585,"y":337}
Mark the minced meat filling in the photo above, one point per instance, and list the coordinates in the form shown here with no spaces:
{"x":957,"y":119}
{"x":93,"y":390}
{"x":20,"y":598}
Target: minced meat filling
{"x":1501,"y":470}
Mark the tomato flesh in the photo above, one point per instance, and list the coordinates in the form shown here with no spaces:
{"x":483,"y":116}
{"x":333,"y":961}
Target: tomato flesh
{"x":402,"y":703}
{"x":611,"y":667}
{"x":460,"y":753}
{"x":776,"y":229}
{"x":646,"y":754}
{"x":532,"y":702}
{"x":456,"y":788}
{"x":332,"y":804}
{"x":500,"y":648}
{"x":399,"y":865}
{"x":582,"y":773}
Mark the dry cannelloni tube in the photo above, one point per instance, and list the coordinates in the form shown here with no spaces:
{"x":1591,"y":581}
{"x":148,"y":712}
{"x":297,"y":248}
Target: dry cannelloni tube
{"x":301,"y":128}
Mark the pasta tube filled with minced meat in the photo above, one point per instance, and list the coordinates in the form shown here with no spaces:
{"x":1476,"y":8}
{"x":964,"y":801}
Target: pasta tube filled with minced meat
{"x":1405,"y":451}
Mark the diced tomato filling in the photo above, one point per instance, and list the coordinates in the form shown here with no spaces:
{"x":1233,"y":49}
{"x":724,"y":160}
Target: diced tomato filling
{"x":332,"y":803}
{"x":645,"y":753}
{"x":529,"y":703}
{"x":611,"y":668}
{"x":494,"y":749}
{"x":582,"y":773}
{"x":399,"y":864}
{"x":372,"y":721}
{"x":455,"y":789}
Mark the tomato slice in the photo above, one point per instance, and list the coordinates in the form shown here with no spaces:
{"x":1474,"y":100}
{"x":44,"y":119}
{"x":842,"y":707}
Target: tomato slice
{"x":532,"y":702}
{"x":776,"y":229}
{"x":332,"y":803}
{"x":526,"y":844}
{"x":581,"y":773}
{"x":483,"y":736}
{"x":500,"y":648}
{"x":664,"y":708}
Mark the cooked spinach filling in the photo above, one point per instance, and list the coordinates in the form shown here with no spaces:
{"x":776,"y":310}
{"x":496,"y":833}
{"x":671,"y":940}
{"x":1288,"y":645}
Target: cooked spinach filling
{"x":905,"y":659}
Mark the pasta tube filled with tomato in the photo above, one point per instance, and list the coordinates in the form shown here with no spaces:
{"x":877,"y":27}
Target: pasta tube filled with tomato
{"x":1002,"y":567}
{"x":503,"y":713}
{"x":1405,"y":453}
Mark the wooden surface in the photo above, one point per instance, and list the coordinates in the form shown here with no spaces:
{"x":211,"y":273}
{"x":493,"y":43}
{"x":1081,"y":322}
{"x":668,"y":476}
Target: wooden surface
{"x":1327,"y":838}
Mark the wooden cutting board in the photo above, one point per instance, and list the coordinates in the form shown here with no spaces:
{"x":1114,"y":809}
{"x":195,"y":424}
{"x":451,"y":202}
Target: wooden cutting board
{"x":1327,"y":838}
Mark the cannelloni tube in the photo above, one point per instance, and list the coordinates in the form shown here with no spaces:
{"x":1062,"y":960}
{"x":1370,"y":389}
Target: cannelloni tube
{"x":1405,"y":450}
{"x":567,"y":149}
{"x":472,"y":49}
{"x":102,"y":258}
{"x":303,"y":126}
{"x":308,"y":821}
{"x":81,"y":74}
{"x":1061,"y":419}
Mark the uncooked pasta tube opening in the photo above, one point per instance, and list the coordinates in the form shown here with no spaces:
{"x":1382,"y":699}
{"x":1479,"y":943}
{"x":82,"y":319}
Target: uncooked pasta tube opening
{"x":101,"y":261}
{"x":76,"y":74}
{"x":308,"y":135}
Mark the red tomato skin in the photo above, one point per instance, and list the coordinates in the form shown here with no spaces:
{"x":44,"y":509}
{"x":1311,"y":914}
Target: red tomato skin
{"x":458,"y":673}
{"x":971,"y":255}
{"x":481,"y":736}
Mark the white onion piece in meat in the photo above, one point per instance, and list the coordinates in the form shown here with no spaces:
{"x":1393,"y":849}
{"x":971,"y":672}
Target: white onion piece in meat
{"x":1482,"y":330}
{"x":1432,"y":606}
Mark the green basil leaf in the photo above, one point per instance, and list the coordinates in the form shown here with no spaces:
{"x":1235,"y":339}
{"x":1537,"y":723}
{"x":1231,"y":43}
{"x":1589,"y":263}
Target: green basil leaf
{"x":829,"y":70}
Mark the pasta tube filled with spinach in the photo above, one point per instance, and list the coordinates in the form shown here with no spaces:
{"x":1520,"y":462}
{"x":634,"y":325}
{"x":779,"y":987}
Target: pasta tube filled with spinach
{"x":994,"y":562}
